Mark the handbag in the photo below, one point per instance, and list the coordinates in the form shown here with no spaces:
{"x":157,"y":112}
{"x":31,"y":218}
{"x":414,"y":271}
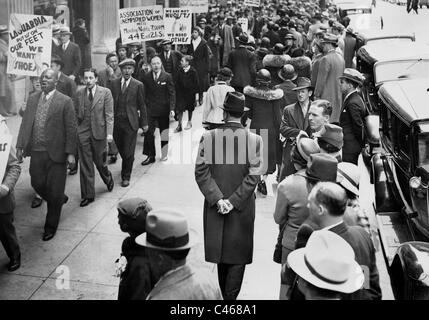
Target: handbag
{"x":277,"y":255}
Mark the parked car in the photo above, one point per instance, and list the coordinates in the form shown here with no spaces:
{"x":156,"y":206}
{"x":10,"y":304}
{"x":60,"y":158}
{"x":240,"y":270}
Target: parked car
{"x":401,"y":177}
{"x":424,"y":3}
{"x":354,"y":7}
{"x":372,"y":35}
{"x":367,"y":21}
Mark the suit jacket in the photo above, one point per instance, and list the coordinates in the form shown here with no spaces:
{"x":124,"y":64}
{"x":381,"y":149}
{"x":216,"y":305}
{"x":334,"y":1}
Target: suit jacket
{"x":136,"y":105}
{"x":229,"y":238}
{"x":293,"y":121}
{"x":60,"y":127}
{"x":66,"y":86}
{"x":331,"y":67}
{"x":101,"y":111}
{"x":243,"y":66}
{"x":72,"y":59}
{"x":161,"y":95}
{"x":364,"y":250}
{"x":13,"y":170}
{"x":175,"y":56}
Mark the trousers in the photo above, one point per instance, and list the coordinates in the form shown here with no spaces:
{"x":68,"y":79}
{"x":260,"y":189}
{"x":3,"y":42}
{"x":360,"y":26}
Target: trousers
{"x":163,"y":123}
{"x":48,"y":179}
{"x":230,"y":279}
{"x":8,"y":236}
{"x":125,"y":138}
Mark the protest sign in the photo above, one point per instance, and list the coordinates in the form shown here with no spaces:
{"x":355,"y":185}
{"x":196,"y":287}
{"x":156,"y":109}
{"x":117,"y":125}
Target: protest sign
{"x":141,"y":24}
{"x":244,"y":23}
{"x":197,"y":6}
{"x":30,"y":43}
{"x":252,"y":3}
{"x":178,"y":25}
{"x":5,"y":144}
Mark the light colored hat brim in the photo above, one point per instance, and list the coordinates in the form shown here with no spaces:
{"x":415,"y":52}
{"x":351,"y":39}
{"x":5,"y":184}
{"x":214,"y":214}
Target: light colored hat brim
{"x":193,"y":239}
{"x":284,"y":79}
{"x":346,"y":184}
{"x":297,"y":263}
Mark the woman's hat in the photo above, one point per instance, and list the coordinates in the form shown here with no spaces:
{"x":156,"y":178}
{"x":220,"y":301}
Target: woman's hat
{"x":136,"y":211}
{"x":303,"y":83}
{"x":167,"y":230}
{"x":349,"y":177}
{"x":321,"y":167}
{"x":287,"y":73}
{"x":243,"y":38}
{"x":263,"y":76}
{"x":278,"y":48}
{"x":327,"y":262}
{"x":234,"y":102}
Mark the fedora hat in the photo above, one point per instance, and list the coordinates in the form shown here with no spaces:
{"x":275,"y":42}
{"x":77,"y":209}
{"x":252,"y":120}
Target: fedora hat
{"x":353,"y":75}
{"x":348,"y":177}
{"x":56,"y":28}
{"x":3,"y":29}
{"x":65,"y":30}
{"x":234,"y":102}
{"x":287,"y":73}
{"x":167,"y":230}
{"x":327,"y":262}
{"x":332,"y":134}
{"x":303,"y":83}
{"x":306,"y":146}
{"x":321,"y":167}
{"x":127,"y":62}
{"x":329,"y":38}
{"x":166,"y":41}
{"x":243,"y":38}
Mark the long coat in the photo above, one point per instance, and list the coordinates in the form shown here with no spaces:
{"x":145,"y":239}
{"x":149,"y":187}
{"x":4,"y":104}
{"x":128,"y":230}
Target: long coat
{"x":175,"y":57}
{"x":186,"y":89}
{"x":293,"y":121}
{"x":229,"y":238}
{"x":13,"y":170}
{"x":201,"y":63}
{"x":352,"y":122}
{"x":243,"y":66}
{"x":72,"y":59}
{"x":331,"y":67}
{"x":160,"y":95}
{"x":60,"y":127}
{"x":264,"y":110}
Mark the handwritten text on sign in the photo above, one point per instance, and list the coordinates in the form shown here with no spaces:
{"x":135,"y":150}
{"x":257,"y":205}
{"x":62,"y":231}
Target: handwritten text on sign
{"x":141,"y":24}
{"x":197,"y":6}
{"x":30,"y":42}
{"x":178,"y":25}
{"x":252,"y":3}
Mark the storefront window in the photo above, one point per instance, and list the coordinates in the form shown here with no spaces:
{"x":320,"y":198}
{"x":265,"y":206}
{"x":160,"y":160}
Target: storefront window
{"x":59,"y":9}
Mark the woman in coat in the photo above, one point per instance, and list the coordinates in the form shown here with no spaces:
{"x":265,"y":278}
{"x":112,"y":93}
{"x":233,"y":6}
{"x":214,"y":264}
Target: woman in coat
{"x":264,"y":106}
{"x":186,"y":89}
{"x":199,"y":50}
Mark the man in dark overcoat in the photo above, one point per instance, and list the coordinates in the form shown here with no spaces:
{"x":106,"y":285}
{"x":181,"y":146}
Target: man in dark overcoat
{"x":228,"y":183}
{"x":48,"y":135}
{"x":170,"y":59}
{"x":70,"y":54}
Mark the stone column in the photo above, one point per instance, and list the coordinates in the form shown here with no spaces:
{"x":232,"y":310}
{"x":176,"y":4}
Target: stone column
{"x":104,"y":29}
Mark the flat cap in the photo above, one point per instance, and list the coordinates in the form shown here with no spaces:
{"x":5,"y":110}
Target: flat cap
{"x":127,"y":62}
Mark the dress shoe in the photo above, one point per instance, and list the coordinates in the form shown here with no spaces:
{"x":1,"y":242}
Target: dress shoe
{"x":14,"y":264}
{"x":113,"y":159}
{"x":164,"y":158}
{"x":178,"y":129}
{"x":148,"y":160}
{"x":86,"y":202}
{"x":125,"y":183}
{"x":37,"y":202}
{"x":66,"y":199}
{"x":48,"y":236}
{"x":189,"y":125}
{"x":262,"y":188}
{"x":110,"y":184}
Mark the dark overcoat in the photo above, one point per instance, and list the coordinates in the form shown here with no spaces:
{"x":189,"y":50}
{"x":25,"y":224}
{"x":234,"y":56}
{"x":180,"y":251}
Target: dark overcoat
{"x":175,"y":57}
{"x":72,"y":59}
{"x":81,"y":38}
{"x":160,"y":95}
{"x":229,"y":238}
{"x":243,"y":66}
{"x":201,"y":63}
{"x":186,"y":89}
{"x":264,"y":110}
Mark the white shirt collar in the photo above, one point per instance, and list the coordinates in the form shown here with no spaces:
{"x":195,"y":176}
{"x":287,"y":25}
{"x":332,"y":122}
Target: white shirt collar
{"x":127,"y":82}
{"x":332,"y":226}
{"x":49,"y":95}
{"x":66,"y":44}
{"x":186,"y":69}
{"x":196,"y":42}
{"x":93,"y":90}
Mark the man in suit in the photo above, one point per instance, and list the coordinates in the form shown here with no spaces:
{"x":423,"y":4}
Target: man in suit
{"x":94,"y":110}
{"x":331,"y":67}
{"x":243,"y":64}
{"x":48,"y":135}
{"x":8,"y":236}
{"x":56,"y":41}
{"x":352,"y":115}
{"x":228,"y":178}
{"x":295,"y":120}
{"x":170,"y":59}
{"x":129,"y":115}
{"x":70,"y":54}
{"x":160,"y":101}
{"x":327,"y":204}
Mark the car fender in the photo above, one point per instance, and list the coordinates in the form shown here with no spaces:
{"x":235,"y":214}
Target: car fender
{"x":384,"y":197}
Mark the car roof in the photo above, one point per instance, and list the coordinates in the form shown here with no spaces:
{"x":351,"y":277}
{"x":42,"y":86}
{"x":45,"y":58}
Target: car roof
{"x":372,"y":34}
{"x":408,"y":99}
{"x":378,"y":52}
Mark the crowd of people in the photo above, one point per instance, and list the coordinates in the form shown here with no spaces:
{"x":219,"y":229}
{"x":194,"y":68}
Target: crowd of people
{"x":286,"y":87}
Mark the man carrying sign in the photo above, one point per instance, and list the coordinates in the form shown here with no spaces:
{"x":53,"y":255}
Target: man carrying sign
{"x":8,"y":177}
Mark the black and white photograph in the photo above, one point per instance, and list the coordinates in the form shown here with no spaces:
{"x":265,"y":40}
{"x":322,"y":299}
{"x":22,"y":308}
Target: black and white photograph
{"x":224,"y":151}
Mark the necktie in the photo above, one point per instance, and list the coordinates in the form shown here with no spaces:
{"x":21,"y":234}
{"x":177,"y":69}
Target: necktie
{"x":124,"y":86}
{"x":156,"y":77}
{"x":64,"y":47}
{"x":91,"y":96}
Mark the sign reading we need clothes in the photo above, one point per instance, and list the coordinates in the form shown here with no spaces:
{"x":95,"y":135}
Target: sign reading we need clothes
{"x":141,"y":24}
{"x":178,"y":25}
{"x":30,"y":42}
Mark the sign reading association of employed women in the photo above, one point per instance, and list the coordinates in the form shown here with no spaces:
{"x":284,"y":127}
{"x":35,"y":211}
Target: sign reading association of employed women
{"x":178,"y":25}
{"x":30,"y":42}
{"x":141,"y":24}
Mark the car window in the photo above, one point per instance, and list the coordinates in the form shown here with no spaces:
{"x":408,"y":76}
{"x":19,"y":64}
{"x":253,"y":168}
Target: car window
{"x":389,"y":40}
{"x":423,"y":150}
{"x":409,"y":69}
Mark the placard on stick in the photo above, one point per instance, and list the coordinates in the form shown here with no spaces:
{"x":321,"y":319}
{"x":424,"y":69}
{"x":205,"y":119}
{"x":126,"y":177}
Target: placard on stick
{"x":178,"y":25}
